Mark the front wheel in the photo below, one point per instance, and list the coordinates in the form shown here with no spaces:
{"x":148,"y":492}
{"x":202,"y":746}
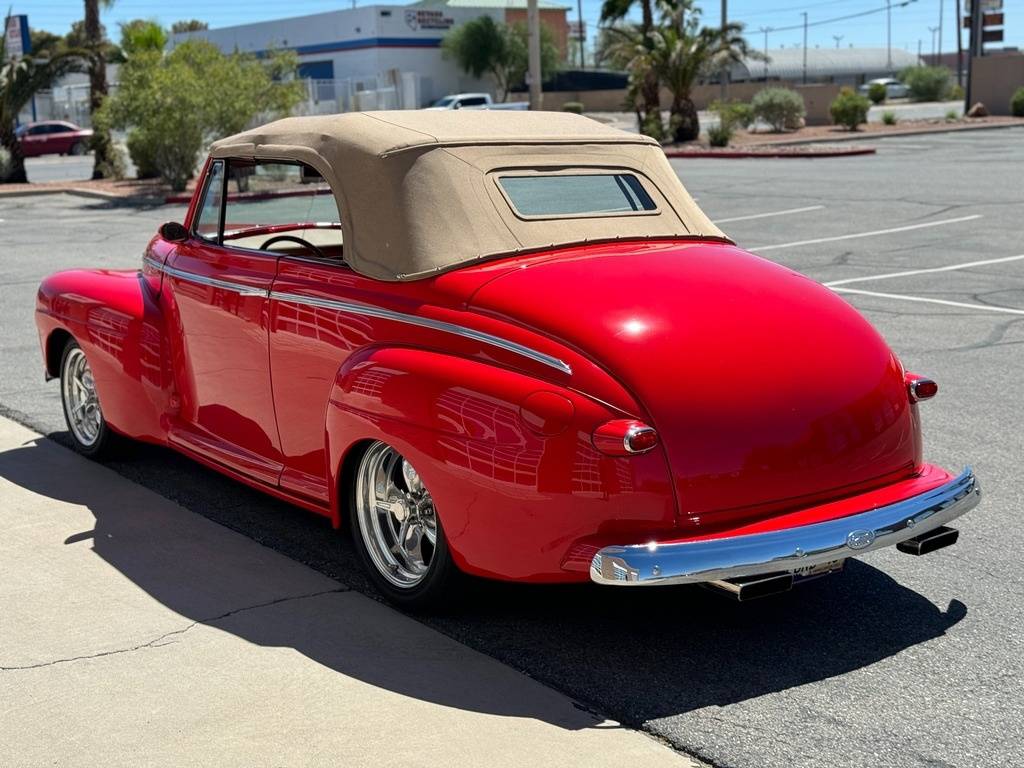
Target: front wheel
{"x":78,"y":148}
{"x":397,"y":531}
{"x":89,"y":431}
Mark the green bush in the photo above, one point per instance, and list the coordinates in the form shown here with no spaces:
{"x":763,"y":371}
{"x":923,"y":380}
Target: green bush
{"x":956,"y":93}
{"x":952,"y":115}
{"x":1017,"y":103}
{"x":877,"y":93}
{"x":736,"y":114}
{"x":849,"y":109}
{"x":927,"y":83}
{"x":576,"y":107}
{"x":5,"y":163}
{"x":720,"y":135}
{"x":141,"y":150}
{"x":781,"y":108}
{"x":653,"y":127}
{"x":889,"y":117}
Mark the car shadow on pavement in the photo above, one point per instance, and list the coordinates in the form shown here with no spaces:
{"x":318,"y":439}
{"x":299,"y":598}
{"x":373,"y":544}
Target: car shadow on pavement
{"x":632,"y":654}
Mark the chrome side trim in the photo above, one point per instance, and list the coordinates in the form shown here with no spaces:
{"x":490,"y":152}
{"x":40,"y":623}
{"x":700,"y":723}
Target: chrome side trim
{"x":792,"y":548}
{"x":425,"y":322}
{"x":241,"y":290}
{"x":366,"y":310}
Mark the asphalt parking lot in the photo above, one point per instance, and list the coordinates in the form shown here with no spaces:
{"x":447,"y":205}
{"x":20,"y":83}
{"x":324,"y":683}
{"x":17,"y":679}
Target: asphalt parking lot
{"x":898,"y":661}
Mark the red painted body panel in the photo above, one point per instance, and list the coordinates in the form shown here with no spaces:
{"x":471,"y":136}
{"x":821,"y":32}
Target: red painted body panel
{"x":775,"y":403}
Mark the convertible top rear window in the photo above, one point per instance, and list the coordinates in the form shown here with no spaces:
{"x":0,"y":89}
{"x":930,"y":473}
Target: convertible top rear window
{"x":583,"y":194}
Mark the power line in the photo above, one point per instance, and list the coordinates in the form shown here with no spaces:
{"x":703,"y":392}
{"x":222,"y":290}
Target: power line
{"x":883,"y":9}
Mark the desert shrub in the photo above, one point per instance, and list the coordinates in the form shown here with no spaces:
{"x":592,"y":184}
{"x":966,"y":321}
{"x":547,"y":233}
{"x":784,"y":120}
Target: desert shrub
{"x":720,"y":135}
{"x":849,"y":109}
{"x":779,"y":107}
{"x":141,"y":150}
{"x":576,"y":107}
{"x":889,"y":117}
{"x":736,"y":114}
{"x":956,"y":93}
{"x":952,"y":115}
{"x":927,"y":83}
{"x":1017,"y":103}
{"x":5,"y":163}
{"x":877,"y":93}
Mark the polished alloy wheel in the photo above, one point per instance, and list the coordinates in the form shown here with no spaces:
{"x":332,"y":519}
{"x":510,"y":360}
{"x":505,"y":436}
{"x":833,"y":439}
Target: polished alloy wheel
{"x":396,"y":517}
{"x":81,"y":405}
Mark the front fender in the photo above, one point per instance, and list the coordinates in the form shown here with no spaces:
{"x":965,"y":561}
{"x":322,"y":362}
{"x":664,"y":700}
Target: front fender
{"x":116,"y":320}
{"x":507,"y":458}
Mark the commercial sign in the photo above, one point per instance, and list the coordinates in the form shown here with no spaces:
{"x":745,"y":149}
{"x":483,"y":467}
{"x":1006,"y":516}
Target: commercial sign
{"x":422,"y":18}
{"x":577,"y":30}
{"x":18,"y":42}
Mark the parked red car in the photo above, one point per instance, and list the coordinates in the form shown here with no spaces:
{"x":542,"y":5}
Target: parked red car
{"x":505,"y":344}
{"x":53,"y":137}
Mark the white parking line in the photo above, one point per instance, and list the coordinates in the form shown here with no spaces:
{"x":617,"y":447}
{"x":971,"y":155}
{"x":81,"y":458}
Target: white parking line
{"x":772,"y":213}
{"x":945,"y":302}
{"x":858,"y":235}
{"x":950,"y":268}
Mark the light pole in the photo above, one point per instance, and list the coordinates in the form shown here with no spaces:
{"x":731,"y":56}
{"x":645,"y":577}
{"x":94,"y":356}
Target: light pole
{"x":888,"y":35}
{"x":933,"y":30}
{"x":838,"y":39}
{"x":941,"y":3}
{"x":533,"y":53}
{"x":724,"y":75}
{"x":805,"y":46}
{"x":766,"y":30}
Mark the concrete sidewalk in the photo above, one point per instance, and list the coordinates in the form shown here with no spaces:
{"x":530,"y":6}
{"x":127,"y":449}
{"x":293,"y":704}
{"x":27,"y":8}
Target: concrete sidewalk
{"x":134,"y":632}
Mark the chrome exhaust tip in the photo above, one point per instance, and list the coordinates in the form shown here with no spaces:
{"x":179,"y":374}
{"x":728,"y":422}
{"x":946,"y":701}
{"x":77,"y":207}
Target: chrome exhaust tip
{"x":752,"y":587}
{"x":937,"y":538}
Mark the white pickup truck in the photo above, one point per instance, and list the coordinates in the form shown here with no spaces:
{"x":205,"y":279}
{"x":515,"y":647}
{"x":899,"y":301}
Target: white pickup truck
{"x":475,"y":101}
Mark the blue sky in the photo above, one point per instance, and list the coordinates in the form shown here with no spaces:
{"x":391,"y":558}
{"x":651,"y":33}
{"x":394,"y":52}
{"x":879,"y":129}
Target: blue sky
{"x":909,"y":24}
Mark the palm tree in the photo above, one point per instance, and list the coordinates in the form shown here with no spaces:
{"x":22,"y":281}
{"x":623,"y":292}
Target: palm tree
{"x":19,"y":81}
{"x":684,"y":51}
{"x":646,"y":80}
{"x":103,"y":148}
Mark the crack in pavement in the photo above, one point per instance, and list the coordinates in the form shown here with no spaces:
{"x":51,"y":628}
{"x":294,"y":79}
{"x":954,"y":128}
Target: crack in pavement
{"x":157,"y":642}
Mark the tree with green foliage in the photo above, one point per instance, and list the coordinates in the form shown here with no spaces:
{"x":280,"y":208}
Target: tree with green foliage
{"x":484,"y":46}
{"x":141,"y":35}
{"x":106,"y":162}
{"x":877,"y":93}
{"x":685,"y":51}
{"x":635,"y":45}
{"x":19,"y":81}
{"x":188,"y":25}
{"x":1017,"y":103}
{"x":781,"y":108}
{"x":173,"y":103}
{"x":927,"y":83}
{"x":44,"y":43}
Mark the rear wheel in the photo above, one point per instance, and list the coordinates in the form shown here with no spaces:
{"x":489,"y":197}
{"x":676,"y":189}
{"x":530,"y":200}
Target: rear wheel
{"x":78,"y":148}
{"x":89,"y":431}
{"x":397,"y":531}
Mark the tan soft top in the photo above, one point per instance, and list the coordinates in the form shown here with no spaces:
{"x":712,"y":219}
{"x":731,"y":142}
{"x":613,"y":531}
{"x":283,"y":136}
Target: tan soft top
{"x":418,"y":192}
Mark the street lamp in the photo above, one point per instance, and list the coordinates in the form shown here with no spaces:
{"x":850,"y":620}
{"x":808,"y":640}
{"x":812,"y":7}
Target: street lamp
{"x":766,"y":30}
{"x":838,"y":39}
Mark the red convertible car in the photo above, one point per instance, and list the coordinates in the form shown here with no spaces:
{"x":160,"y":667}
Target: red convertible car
{"x":508,"y":345}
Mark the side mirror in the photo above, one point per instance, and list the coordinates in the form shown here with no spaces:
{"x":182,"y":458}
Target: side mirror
{"x":173,"y":231}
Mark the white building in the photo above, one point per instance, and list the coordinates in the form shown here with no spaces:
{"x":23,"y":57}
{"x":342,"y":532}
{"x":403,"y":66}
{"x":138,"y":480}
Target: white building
{"x":372,"y":57}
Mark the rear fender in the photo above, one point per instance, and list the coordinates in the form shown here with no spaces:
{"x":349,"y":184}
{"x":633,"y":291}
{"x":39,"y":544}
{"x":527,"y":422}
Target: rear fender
{"x":508,"y":459}
{"x":114,"y":317}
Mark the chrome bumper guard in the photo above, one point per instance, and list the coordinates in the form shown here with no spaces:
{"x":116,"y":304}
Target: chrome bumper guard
{"x":789,"y":549}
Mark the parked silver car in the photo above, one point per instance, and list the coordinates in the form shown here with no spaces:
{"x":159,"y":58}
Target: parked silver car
{"x":894,"y":89}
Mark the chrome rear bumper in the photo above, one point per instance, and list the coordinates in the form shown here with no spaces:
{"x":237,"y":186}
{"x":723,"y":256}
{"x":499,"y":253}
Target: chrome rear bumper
{"x":789,"y":549}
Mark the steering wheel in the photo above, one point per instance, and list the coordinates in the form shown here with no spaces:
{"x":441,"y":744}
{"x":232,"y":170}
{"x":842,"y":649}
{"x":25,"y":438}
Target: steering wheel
{"x":294,"y":239}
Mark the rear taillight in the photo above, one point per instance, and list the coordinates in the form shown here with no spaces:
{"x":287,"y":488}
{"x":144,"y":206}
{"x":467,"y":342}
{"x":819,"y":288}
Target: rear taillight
{"x":919,"y":388}
{"x":624,"y":437}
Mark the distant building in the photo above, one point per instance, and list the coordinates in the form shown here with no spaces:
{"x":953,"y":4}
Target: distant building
{"x":846,"y":66}
{"x":378,"y":56}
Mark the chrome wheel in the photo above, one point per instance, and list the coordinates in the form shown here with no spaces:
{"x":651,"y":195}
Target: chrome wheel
{"x":81,"y":405}
{"x":396,"y":517}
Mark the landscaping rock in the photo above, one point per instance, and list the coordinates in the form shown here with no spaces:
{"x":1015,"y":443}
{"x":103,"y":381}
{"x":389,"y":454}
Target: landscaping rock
{"x":978,"y":110}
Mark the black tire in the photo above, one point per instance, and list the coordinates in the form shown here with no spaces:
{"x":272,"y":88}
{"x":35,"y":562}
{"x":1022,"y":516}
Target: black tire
{"x":440,"y":585}
{"x":100,"y":446}
{"x":78,"y":148}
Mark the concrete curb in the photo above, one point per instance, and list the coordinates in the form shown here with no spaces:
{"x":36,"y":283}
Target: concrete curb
{"x":94,"y":194}
{"x":854,"y":136}
{"x":740,"y":153}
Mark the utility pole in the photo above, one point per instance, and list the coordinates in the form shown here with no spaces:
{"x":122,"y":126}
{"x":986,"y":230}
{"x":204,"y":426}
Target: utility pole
{"x":974,"y":48}
{"x":888,"y":35}
{"x":919,"y":50}
{"x":838,"y":39}
{"x":959,"y":49}
{"x":766,"y":30}
{"x":724,"y":75}
{"x":941,"y":3}
{"x":805,"y":46}
{"x":579,"y":18}
{"x":933,"y":30}
{"x":533,"y":53}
